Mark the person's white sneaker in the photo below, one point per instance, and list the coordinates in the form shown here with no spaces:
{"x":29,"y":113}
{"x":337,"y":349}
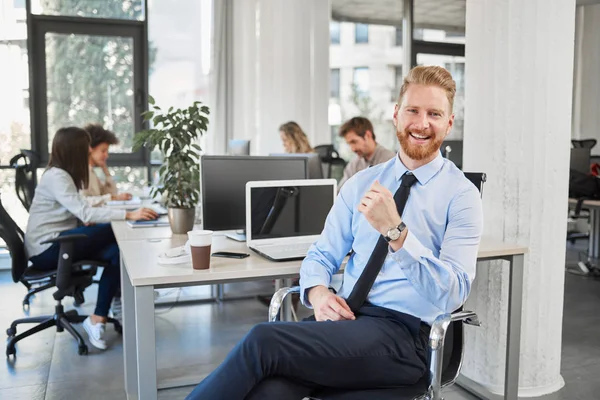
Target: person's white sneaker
{"x":95,"y":333}
{"x":116,"y":309}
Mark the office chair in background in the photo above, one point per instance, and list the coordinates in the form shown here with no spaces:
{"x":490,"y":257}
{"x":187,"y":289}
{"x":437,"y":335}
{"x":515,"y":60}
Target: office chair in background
{"x":25,"y":165}
{"x":583,"y":143}
{"x":333,"y":164}
{"x":446,"y":348}
{"x":70,"y":279}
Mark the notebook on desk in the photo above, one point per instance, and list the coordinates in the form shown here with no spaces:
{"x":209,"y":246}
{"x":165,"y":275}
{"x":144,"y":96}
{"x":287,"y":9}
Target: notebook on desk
{"x":284,"y":218}
{"x":148,"y":224}
{"x":132,"y":203}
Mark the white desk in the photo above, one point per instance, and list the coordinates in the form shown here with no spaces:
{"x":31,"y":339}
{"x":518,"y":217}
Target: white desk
{"x":140,"y":274}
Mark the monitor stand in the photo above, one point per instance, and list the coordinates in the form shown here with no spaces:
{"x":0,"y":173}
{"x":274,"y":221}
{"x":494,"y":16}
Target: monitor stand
{"x":239,"y":236}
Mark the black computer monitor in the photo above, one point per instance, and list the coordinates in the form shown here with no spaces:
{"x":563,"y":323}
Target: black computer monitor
{"x":315,"y":167}
{"x":224,"y":185}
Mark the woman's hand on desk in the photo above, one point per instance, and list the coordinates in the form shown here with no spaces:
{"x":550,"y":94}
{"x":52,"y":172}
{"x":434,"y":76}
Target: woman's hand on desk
{"x":121,"y":196}
{"x":141,"y":214}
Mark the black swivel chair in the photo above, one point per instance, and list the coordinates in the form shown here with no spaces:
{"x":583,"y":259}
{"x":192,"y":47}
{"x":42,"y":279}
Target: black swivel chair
{"x":333,"y":164}
{"x":70,"y":278}
{"x":25,"y":165}
{"x":583,"y":143}
{"x":446,"y":348}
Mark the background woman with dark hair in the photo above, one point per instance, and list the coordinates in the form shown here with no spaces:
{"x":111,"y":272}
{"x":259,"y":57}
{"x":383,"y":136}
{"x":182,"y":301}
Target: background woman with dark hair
{"x":97,"y":192}
{"x":58,"y":208}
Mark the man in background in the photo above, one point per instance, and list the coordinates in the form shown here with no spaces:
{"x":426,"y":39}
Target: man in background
{"x":358,"y":133}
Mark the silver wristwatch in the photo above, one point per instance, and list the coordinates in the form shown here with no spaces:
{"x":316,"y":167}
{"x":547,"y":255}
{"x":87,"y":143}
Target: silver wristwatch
{"x":395,"y":232}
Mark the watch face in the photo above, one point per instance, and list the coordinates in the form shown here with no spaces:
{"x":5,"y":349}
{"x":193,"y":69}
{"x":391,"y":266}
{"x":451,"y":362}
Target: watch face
{"x":394,"y":233}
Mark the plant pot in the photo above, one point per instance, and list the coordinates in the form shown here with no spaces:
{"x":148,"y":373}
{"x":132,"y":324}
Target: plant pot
{"x":182,"y":219}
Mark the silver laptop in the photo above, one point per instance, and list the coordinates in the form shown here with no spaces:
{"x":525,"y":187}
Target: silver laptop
{"x":284,"y":218}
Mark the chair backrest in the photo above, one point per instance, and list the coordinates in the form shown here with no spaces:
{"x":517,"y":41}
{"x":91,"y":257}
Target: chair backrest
{"x":583,"y":143}
{"x":453,"y":344}
{"x":25,"y":165}
{"x":333,"y":164}
{"x":478,"y":179}
{"x":14,"y":238}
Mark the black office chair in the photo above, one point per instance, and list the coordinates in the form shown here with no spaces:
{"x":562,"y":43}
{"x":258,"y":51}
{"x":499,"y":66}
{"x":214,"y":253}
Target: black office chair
{"x":333,"y":164}
{"x":446,"y":348}
{"x":583,"y":143}
{"x":25,"y":165}
{"x":70,"y":278}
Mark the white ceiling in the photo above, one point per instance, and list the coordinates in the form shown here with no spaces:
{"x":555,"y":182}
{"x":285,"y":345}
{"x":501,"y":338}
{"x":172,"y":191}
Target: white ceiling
{"x":439,"y":14}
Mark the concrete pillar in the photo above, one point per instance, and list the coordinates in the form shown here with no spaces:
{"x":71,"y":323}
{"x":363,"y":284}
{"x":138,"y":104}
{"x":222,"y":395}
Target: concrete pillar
{"x":280,"y":70}
{"x":519,"y":79}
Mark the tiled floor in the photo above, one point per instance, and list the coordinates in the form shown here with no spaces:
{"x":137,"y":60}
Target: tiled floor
{"x":193,"y":339}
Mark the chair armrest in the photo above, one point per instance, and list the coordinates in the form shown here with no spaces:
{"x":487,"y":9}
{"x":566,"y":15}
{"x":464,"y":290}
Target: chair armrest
{"x":277,"y":301}
{"x":436,"y":347}
{"x":65,"y":238}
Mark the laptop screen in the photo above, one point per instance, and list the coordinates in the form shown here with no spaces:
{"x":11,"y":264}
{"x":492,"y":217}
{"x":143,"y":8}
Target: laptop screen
{"x":289,"y":211}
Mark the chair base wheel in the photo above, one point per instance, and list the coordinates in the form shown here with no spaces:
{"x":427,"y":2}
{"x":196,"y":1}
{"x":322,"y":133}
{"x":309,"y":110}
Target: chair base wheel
{"x":83,"y":350}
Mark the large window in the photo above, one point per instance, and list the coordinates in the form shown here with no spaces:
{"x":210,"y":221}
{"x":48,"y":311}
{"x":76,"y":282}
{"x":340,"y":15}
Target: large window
{"x":361,"y":33}
{"x":108,"y":9}
{"x":89,"y":66}
{"x":90,"y":78}
{"x":366,"y":79}
{"x":15,"y":132}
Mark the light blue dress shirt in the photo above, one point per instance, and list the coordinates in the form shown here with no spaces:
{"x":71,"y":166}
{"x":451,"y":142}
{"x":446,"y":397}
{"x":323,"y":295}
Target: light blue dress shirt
{"x":432,"y":273}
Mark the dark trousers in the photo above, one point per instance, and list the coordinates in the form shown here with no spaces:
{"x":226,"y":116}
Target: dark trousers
{"x":99,"y":245}
{"x":381,"y":348}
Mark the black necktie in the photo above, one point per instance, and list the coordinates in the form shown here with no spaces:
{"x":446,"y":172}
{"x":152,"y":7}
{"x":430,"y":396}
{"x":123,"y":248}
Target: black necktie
{"x":367,"y":277}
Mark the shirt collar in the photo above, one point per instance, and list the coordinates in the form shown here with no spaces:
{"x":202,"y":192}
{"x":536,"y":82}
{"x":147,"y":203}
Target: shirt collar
{"x":423,"y":173}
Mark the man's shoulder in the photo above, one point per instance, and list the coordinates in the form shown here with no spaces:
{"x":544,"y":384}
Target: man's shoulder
{"x":455,"y":180}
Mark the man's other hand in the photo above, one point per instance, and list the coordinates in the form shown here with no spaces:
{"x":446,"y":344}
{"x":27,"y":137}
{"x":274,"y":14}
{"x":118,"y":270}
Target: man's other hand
{"x":379,"y":207}
{"x":328,"y":306}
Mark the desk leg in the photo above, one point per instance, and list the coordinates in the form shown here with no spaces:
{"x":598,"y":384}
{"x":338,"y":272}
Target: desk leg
{"x":287,"y":302}
{"x":513,"y":337}
{"x":129,"y":345}
{"x":146,"y":342}
{"x":594,"y":239}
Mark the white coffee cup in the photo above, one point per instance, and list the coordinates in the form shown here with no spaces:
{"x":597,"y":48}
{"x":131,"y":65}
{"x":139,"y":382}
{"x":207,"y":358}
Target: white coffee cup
{"x":200,"y":244}
{"x":200,"y":237}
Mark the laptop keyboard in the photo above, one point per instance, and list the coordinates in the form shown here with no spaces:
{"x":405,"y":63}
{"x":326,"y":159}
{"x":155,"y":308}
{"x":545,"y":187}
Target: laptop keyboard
{"x":288,"y":249}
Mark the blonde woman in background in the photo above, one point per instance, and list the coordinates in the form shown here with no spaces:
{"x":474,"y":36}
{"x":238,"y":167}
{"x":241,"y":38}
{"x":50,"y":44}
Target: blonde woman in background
{"x":294,"y":139}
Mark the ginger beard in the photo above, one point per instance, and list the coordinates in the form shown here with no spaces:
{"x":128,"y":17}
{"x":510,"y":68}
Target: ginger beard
{"x":419,"y":145}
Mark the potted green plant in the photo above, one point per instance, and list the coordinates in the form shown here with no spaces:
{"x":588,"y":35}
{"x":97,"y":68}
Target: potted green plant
{"x":175,"y":133}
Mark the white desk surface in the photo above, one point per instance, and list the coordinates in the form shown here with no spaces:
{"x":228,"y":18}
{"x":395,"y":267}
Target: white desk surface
{"x":141,"y":257}
{"x":589,"y":203}
{"x":124,"y":232}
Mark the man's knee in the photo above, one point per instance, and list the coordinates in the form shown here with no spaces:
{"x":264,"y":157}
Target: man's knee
{"x":261,"y":334}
